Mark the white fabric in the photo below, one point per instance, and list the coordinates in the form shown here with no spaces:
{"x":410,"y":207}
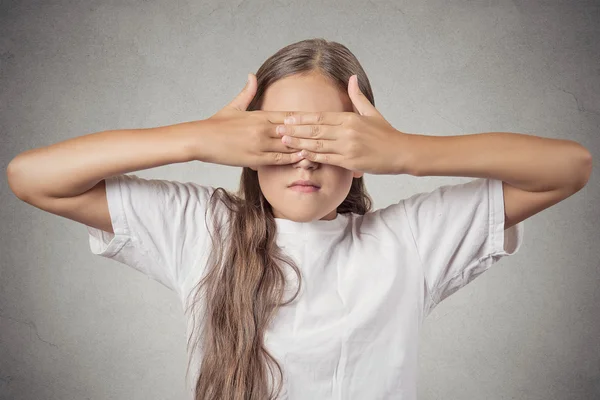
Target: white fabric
{"x":368,"y":281}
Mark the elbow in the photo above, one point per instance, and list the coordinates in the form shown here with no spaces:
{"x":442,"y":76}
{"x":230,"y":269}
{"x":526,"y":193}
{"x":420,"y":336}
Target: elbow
{"x":585,"y":168}
{"x":14,"y":182}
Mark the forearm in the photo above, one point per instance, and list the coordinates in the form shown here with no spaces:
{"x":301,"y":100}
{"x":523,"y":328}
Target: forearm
{"x":528,"y":162}
{"x":73,"y":166}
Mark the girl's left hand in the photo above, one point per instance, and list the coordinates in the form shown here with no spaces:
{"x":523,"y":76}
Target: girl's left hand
{"x":365,"y":142}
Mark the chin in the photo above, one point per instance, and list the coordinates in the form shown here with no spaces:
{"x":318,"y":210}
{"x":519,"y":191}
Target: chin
{"x":303,"y":218}
{"x":300,"y":217}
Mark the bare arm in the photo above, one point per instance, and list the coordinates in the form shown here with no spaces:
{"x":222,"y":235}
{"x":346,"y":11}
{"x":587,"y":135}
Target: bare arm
{"x":71,"y":167}
{"x":67,"y":178}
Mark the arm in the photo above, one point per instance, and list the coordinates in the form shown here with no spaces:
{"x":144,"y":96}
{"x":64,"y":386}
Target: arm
{"x":536,"y":172}
{"x":67,"y":178}
{"x":72,"y":167}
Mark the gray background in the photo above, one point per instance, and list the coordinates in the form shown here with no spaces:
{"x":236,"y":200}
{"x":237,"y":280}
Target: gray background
{"x":75,"y":326}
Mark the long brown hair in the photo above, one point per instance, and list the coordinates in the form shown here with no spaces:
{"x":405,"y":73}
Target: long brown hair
{"x":244,"y":284}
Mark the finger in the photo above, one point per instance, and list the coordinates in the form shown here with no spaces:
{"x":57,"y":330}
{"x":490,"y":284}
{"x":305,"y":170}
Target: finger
{"x":243,"y":99}
{"x":308,"y":131}
{"x":317,"y":118}
{"x":277,"y":146}
{"x":277,"y":117}
{"x":314,"y":145}
{"x":282,"y":158}
{"x":324,"y":158}
{"x":359,"y":101}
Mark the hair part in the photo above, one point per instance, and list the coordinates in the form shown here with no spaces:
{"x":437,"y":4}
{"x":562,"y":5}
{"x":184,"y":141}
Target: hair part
{"x":245,"y":284}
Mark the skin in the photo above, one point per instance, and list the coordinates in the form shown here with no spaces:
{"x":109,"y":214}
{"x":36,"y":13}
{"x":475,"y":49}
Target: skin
{"x":308,"y":93}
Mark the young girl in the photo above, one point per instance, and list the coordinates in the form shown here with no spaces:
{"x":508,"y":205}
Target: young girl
{"x":293,"y":287}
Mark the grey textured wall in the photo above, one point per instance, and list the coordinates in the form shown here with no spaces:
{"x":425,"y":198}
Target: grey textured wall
{"x":75,"y":326}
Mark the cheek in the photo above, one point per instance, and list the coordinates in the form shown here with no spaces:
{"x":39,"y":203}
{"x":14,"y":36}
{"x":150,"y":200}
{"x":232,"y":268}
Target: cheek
{"x":343,"y":175}
{"x":270,"y":176}
{"x":339,"y":182}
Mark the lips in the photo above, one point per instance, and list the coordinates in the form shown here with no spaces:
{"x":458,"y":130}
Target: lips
{"x":304,"y":183}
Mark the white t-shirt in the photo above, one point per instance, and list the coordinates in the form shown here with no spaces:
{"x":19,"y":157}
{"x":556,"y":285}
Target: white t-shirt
{"x":368,"y":280}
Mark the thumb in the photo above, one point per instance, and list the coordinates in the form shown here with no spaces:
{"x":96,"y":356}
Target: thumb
{"x":359,"y":100}
{"x":243,"y":99}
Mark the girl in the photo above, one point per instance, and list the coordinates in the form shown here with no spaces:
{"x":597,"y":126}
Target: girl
{"x":293,"y":287}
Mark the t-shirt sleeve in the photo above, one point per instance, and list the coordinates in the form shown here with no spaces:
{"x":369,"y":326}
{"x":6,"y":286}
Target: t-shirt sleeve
{"x":458,"y":232}
{"x":159,"y":226}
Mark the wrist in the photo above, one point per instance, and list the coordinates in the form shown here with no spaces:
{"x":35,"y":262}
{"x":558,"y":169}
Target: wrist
{"x":406,"y":164}
{"x":191,"y":136}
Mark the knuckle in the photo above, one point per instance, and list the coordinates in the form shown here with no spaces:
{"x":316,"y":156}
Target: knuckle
{"x":255,"y":119}
{"x":351,"y":133}
{"x":353,"y":149}
{"x":277,"y":157}
{"x":256,"y":132}
{"x":315,"y":130}
{"x":260,"y":140}
{"x":318,"y":144}
{"x":287,"y":114}
{"x":320,"y":117}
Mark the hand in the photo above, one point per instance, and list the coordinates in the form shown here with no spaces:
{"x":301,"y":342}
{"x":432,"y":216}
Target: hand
{"x":236,"y":137}
{"x":365,"y":142}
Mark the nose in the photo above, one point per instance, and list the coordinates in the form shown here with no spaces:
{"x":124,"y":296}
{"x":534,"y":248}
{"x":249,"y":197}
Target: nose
{"x":306,"y":163}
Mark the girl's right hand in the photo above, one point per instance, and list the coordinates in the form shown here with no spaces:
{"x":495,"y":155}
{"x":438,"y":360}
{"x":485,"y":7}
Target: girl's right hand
{"x":241,"y":138}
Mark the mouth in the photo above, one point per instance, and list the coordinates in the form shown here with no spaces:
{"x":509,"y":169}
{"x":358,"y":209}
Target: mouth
{"x":304,"y":186}
{"x":304,"y":183}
